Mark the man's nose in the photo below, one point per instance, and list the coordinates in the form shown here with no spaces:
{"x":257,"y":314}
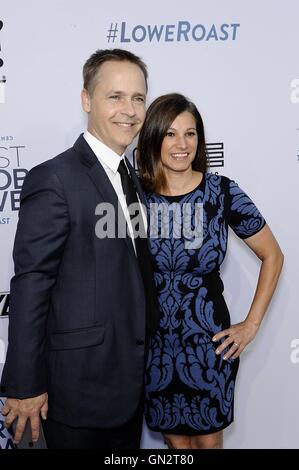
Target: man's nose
{"x":128,"y":108}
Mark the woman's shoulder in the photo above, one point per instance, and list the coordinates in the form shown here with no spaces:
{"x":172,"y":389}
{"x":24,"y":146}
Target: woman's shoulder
{"x":216,"y":178}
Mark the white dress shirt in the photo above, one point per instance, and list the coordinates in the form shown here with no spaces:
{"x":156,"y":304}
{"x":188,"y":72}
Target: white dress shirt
{"x":110,"y":162}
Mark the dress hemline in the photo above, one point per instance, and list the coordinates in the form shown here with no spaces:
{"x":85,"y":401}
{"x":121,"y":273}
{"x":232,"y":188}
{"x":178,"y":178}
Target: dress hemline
{"x":189,"y":431}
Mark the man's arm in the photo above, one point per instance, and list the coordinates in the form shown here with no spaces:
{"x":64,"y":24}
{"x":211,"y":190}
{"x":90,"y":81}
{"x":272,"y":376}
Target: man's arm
{"x":41,"y":235}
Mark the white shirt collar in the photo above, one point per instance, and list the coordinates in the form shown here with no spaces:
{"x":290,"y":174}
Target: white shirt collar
{"x":105,"y":154}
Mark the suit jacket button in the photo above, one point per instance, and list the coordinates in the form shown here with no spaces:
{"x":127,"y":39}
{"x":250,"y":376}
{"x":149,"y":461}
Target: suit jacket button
{"x":140,"y":342}
{"x":3,"y":389}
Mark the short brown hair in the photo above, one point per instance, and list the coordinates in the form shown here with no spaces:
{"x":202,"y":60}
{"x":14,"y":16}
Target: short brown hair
{"x":93,"y":64}
{"x":159,"y":117}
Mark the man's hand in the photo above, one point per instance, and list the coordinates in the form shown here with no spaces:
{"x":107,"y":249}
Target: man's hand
{"x":28,"y":408}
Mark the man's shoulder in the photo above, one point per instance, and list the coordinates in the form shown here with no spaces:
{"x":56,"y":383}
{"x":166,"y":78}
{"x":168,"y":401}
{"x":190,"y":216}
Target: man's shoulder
{"x":64,"y":159}
{"x":62,"y":163}
{"x":57,"y":170}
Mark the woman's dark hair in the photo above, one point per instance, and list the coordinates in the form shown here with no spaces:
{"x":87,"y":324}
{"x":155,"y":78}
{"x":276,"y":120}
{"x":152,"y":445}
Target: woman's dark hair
{"x":159,"y":117}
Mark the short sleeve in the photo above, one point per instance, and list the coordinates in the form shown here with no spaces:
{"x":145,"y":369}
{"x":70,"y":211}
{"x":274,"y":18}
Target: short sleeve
{"x":243,"y":216}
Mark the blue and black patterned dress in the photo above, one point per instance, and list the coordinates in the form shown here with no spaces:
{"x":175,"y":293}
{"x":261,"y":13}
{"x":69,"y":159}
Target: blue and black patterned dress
{"x":190,"y":389}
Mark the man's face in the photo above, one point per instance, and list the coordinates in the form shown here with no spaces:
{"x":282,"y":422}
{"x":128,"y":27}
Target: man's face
{"x":116,"y":106}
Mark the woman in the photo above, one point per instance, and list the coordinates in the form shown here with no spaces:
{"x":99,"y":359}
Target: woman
{"x":194,"y":356}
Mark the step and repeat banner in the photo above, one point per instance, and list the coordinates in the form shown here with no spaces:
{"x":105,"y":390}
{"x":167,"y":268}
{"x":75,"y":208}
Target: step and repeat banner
{"x":238,"y":61}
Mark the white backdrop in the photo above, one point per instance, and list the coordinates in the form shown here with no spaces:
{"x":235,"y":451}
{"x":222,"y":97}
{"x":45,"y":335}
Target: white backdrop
{"x":238,"y":62}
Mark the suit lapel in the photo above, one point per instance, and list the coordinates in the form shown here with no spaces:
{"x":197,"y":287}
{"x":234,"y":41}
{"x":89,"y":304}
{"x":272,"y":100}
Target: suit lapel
{"x":99,"y":178}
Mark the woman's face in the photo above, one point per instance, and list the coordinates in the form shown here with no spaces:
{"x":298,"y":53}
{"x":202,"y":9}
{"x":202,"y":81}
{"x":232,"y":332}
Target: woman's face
{"x":180,"y":143}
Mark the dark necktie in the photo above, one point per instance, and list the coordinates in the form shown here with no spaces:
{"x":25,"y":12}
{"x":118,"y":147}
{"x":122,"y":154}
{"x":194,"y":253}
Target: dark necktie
{"x":142,"y":251}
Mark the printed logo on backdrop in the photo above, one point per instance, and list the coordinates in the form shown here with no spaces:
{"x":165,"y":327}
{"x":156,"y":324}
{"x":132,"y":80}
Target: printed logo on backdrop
{"x":2,"y":350}
{"x":12,"y":175}
{"x":2,"y":77}
{"x":179,"y":31}
{"x":4,"y":304}
{"x":6,"y":441}
{"x":294,"y":98}
{"x":215,"y":155}
{"x":4,"y":309}
{"x":1,"y":60}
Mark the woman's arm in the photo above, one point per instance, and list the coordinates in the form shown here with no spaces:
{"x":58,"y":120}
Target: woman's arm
{"x":266,"y":248}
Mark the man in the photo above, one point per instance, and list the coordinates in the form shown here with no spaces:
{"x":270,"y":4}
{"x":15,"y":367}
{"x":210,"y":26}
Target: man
{"x":78,"y":303}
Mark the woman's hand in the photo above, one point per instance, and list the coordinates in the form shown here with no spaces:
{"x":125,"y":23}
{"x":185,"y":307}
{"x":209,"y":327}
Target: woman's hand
{"x":238,"y":336}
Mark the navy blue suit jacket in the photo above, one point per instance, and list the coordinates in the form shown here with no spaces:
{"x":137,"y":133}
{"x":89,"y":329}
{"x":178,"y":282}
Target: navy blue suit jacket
{"x":77,"y":312}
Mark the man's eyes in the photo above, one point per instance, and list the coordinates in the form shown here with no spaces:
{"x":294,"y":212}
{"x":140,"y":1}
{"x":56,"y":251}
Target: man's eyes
{"x":138,"y":99}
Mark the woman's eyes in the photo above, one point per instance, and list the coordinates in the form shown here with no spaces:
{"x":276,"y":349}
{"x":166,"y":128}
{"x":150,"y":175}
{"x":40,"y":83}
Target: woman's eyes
{"x":188,"y":134}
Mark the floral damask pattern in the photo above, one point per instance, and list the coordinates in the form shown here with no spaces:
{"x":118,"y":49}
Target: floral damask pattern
{"x":189,"y":389}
